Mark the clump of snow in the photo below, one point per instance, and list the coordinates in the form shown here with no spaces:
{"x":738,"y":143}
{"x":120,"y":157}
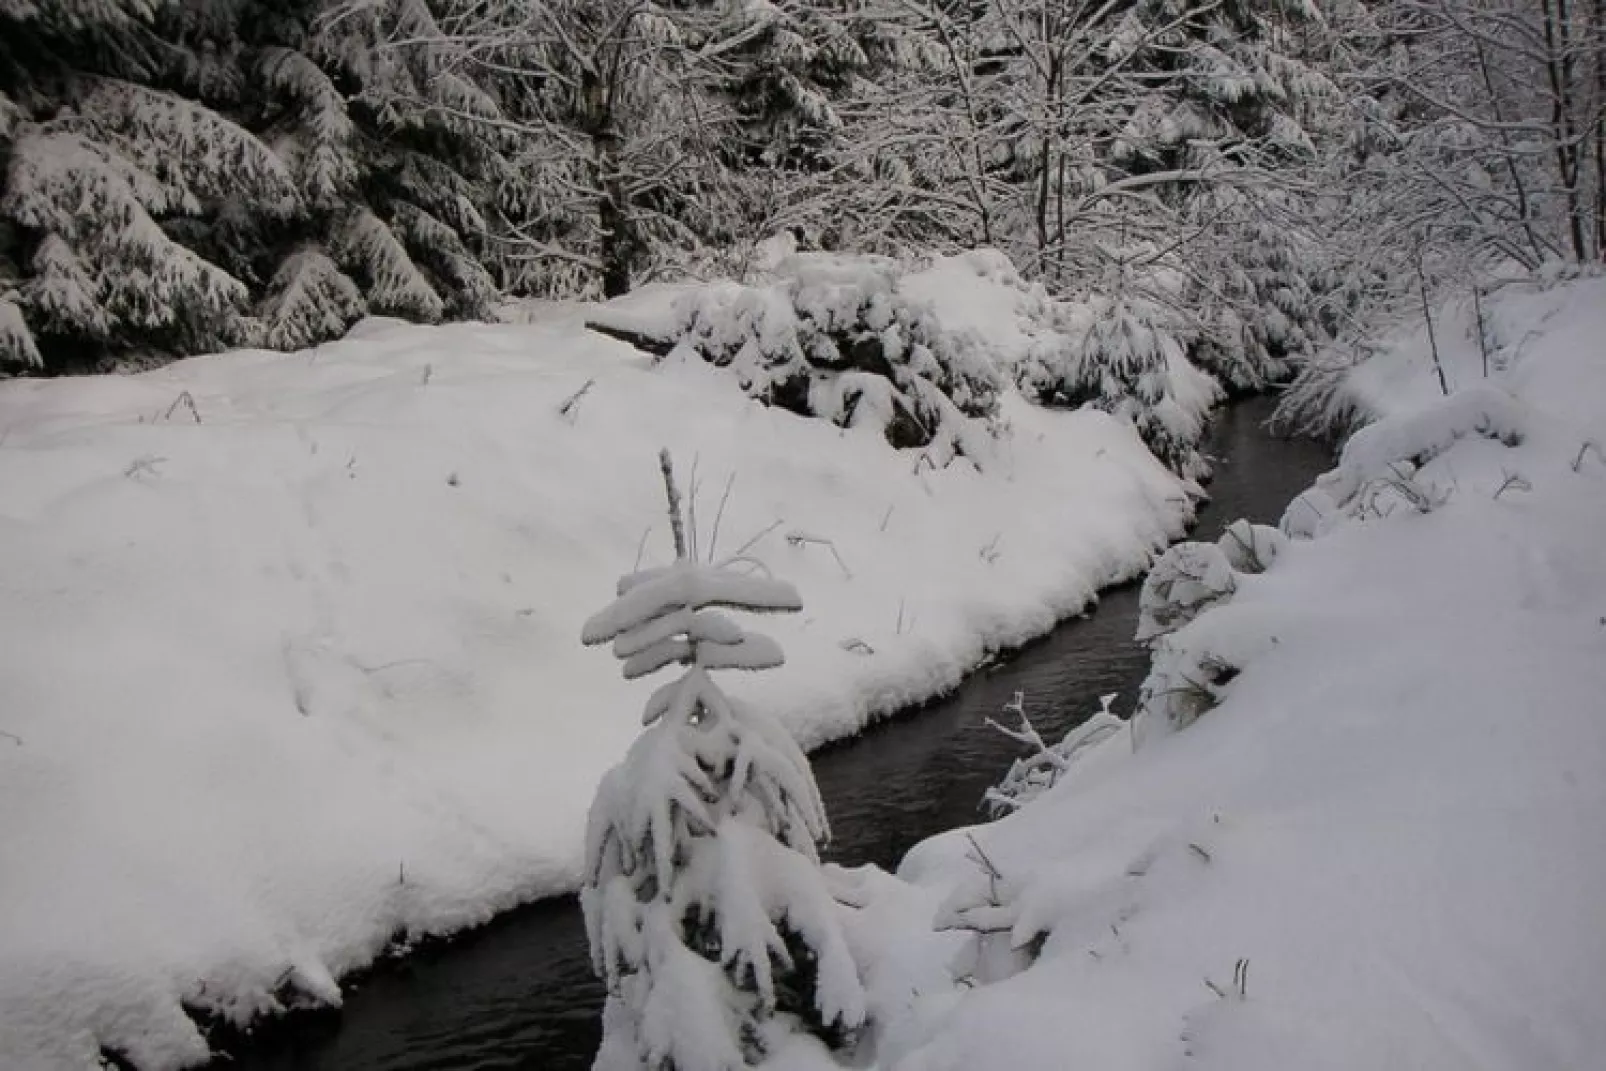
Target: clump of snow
{"x":1382,"y":846}
{"x":289,"y":664}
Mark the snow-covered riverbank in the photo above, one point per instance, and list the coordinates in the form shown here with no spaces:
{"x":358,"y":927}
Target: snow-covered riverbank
{"x":291,"y":665}
{"x":1384,"y":847}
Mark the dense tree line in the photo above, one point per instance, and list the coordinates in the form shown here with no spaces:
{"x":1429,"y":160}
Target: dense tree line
{"x":1238,"y":180}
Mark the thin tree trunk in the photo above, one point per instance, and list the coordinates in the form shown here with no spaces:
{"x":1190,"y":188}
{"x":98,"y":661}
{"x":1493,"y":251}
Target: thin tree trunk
{"x":1427,"y":314}
{"x":618,"y":237}
{"x":1598,"y":56}
{"x":1558,"y":70}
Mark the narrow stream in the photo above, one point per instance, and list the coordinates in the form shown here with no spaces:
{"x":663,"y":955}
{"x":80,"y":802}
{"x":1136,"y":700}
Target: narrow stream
{"x":519,"y":994}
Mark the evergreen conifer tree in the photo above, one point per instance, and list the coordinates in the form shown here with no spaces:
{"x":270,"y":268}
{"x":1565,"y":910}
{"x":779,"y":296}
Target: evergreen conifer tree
{"x":705,"y":905}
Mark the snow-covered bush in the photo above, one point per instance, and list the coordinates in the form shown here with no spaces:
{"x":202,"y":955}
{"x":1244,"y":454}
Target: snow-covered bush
{"x":707,"y":912}
{"x":1251,"y":548}
{"x":833,"y":337}
{"x":1191,"y":660}
{"x":1124,"y":351}
{"x":1185,"y":680}
{"x":1127,"y":354}
{"x":1186,"y":580}
{"x":1381,"y":468}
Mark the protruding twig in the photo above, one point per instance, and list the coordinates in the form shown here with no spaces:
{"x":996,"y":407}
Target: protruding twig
{"x":798,"y":539}
{"x":994,"y":876}
{"x":570,"y":409}
{"x":672,"y":493}
{"x":745,"y":547}
{"x":1514,"y":480}
{"x":1433,"y":338}
{"x":691,"y":507}
{"x":641,"y":548}
{"x":186,"y":399}
{"x":1483,"y":339}
{"x":1027,"y":733}
{"x":719,"y":515}
{"x":144,"y":465}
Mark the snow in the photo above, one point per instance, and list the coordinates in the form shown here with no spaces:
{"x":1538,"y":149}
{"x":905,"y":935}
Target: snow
{"x":291,"y":643}
{"x":1382,"y":846}
{"x":1397,"y":374}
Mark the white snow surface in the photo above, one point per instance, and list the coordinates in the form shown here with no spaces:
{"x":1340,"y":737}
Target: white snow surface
{"x":291,"y":657}
{"x":1391,"y":826}
{"x":1518,"y":312}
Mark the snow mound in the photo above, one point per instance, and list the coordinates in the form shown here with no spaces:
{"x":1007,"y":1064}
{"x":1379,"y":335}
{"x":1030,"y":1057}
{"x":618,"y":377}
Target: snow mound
{"x":289,"y":656}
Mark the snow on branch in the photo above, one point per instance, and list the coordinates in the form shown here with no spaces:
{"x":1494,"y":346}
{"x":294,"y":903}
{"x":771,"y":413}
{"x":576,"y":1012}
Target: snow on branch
{"x":16,"y":341}
{"x":309,"y":300}
{"x":192,"y":145}
{"x":394,"y":282}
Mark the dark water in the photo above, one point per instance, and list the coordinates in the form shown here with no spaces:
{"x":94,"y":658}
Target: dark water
{"x":518,"y":993}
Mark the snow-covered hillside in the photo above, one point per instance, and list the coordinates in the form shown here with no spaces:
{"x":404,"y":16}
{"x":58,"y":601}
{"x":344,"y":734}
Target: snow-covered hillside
{"x":289,"y":645}
{"x":1383,"y":848}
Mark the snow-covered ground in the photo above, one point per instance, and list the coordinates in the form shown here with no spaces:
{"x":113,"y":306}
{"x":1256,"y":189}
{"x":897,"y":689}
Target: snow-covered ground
{"x":1385,"y":847}
{"x":289,"y":644}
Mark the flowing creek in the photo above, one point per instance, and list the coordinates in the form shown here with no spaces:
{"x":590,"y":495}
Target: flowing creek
{"x":519,"y":993}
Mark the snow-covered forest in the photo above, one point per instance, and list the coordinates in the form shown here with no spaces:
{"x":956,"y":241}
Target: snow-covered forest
{"x":337,"y":340}
{"x":1241,"y":180}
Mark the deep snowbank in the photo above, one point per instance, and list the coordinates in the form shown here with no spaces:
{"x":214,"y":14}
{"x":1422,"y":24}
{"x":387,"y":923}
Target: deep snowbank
{"x":291,"y":661}
{"x":1383,"y":848}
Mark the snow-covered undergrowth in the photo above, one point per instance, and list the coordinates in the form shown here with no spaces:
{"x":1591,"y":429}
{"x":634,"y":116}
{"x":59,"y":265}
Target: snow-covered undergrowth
{"x":290,"y":663}
{"x":1380,"y":845}
{"x":1395,"y":373}
{"x":867,"y":342}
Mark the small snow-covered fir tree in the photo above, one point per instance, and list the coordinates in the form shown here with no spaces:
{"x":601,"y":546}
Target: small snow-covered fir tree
{"x":1126,"y":353}
{"x":705,"y":905}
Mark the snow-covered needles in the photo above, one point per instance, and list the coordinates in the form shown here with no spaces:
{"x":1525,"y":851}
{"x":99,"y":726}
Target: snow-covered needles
{"x":706,"y":910}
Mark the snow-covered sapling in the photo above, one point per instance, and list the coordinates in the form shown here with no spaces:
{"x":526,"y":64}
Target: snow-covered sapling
{"x":706,"y":908}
